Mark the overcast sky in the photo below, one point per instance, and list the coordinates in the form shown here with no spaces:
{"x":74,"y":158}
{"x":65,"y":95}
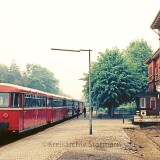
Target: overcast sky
{"x":30,"y":28}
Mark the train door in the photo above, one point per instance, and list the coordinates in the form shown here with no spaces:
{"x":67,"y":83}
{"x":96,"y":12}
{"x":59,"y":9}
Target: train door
{"x":28,"y":112}
{"x":16,"y":111}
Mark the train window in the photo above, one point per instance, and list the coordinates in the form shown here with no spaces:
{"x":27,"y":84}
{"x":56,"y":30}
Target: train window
{"x":69,"y":103}
{"x":81,"y":103}
{"x":4,"y":99}
{"x":57,"y":102}
{"x":14,"y":100}
{"x":34,"y":101}
{"x":75,"y":103}
{"x":44,"y":101}
{"x":27,"y":100}
{"x":49,"y":102}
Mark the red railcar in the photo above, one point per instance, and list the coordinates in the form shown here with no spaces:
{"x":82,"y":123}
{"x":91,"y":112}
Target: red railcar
{"x":23,"y":108}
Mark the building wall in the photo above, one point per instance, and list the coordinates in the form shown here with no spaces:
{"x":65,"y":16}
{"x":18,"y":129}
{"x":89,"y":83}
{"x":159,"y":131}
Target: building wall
{"x":157,"y":72}
{"x":152,"y":100}
{"x":151,"y":76}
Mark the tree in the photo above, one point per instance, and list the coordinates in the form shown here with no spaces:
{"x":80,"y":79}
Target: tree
{"x":14,"y":74}
{"x":40,"y":78}
{"x":135,"y":54}
{"x":3,"y":73}
{"x":111,"y":82}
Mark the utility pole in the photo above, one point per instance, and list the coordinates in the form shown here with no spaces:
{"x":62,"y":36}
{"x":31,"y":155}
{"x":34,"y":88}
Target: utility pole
{"x":90,"y":102}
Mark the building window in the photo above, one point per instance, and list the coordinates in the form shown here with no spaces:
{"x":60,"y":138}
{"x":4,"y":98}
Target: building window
{"x":153,"y":102}
{"x":150,"y":71}
{"x":142,"y":102}
{"x":156,"y":71}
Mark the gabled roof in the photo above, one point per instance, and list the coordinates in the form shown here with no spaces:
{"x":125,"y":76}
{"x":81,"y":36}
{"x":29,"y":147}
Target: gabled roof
{"x":148,"y":60}
{"x":156,"y":23}
{"x":153,"y":57}
{"x":156,"y":54}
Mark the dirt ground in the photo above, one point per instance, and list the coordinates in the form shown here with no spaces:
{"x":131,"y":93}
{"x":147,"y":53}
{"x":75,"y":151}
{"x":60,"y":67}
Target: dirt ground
{"x":70,"y":140}
{"x":145,"y":142}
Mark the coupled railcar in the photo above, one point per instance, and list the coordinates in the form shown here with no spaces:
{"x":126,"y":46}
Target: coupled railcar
{"x":23,"y":108}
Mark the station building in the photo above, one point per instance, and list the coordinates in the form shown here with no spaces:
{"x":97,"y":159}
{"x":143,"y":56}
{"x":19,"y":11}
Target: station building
{"x":148,"y":103}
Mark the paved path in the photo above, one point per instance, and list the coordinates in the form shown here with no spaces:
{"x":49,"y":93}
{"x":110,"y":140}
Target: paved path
{"x":71,"y":140}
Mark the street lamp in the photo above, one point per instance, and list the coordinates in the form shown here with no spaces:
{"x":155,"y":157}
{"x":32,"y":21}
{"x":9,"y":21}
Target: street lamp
{"x":90,"y":102}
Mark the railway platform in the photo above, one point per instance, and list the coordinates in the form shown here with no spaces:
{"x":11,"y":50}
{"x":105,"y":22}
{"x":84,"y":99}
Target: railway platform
{"x":71,"y":140}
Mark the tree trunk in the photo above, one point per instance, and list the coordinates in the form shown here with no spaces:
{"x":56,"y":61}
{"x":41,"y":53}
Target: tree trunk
{"x":111,"y":110}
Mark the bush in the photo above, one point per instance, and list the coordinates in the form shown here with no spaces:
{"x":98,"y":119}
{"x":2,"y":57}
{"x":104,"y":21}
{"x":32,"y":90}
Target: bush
{"x":103,"y":110}
{"x":129,"y":107}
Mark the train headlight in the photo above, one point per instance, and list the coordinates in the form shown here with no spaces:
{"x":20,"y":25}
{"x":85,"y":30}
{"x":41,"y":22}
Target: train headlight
{"x":5,"y":115}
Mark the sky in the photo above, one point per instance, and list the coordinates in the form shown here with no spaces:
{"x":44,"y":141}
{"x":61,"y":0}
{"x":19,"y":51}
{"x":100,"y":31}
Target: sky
{"x":30,"y":28}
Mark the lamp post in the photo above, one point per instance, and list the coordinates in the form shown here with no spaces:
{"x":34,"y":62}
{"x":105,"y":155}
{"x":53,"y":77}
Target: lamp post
{"x":90,"y":102}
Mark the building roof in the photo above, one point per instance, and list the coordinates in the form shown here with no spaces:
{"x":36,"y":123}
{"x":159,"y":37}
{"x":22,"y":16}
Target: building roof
{"x":153,"y":57}
{"x":147,"y":94}
{"x":156,"y":23}
{"x":148,"y":60}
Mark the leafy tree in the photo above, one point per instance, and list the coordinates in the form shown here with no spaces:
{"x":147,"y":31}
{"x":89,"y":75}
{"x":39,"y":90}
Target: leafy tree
{"x":34,"y":76}
{"x":135,"y":54}
{"x":14,"y":74}
{"x":40,"y":78}
{"x":111,"y":82}
{"x":3,"y":73}
{"x":116,"y":78}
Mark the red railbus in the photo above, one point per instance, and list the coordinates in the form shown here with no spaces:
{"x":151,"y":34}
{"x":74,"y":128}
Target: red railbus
{"x":23,"y":108}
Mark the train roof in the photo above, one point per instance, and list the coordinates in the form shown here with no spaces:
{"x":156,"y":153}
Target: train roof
{"x":6,"y":87}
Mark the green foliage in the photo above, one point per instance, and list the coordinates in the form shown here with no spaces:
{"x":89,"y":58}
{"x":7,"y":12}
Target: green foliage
{"x":34,"y":76}
{"x":40,"y":78}
{"x":3,"y":73}
{"x":111,"y":81}
{"x":10,"y":74}
{"x":14,"y":75}
{"x":135,"y":54}
{"x":129,"y":107}
{"x":117,"y":77}
{"x":101,"y":110}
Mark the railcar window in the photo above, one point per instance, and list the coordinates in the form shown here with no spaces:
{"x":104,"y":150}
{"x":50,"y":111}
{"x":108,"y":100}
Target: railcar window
{"x":69,"y":103}
{"x":14,"y":100}
{"x":76,"y":103}
{"x":57,"y":102}
{"x":81,"y":104}
{"x":31,"y":100}
{"x":4,"y":100}
{"x":49,"y":102}
{"x":27,"y":100}
{"x":44,"y":101}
